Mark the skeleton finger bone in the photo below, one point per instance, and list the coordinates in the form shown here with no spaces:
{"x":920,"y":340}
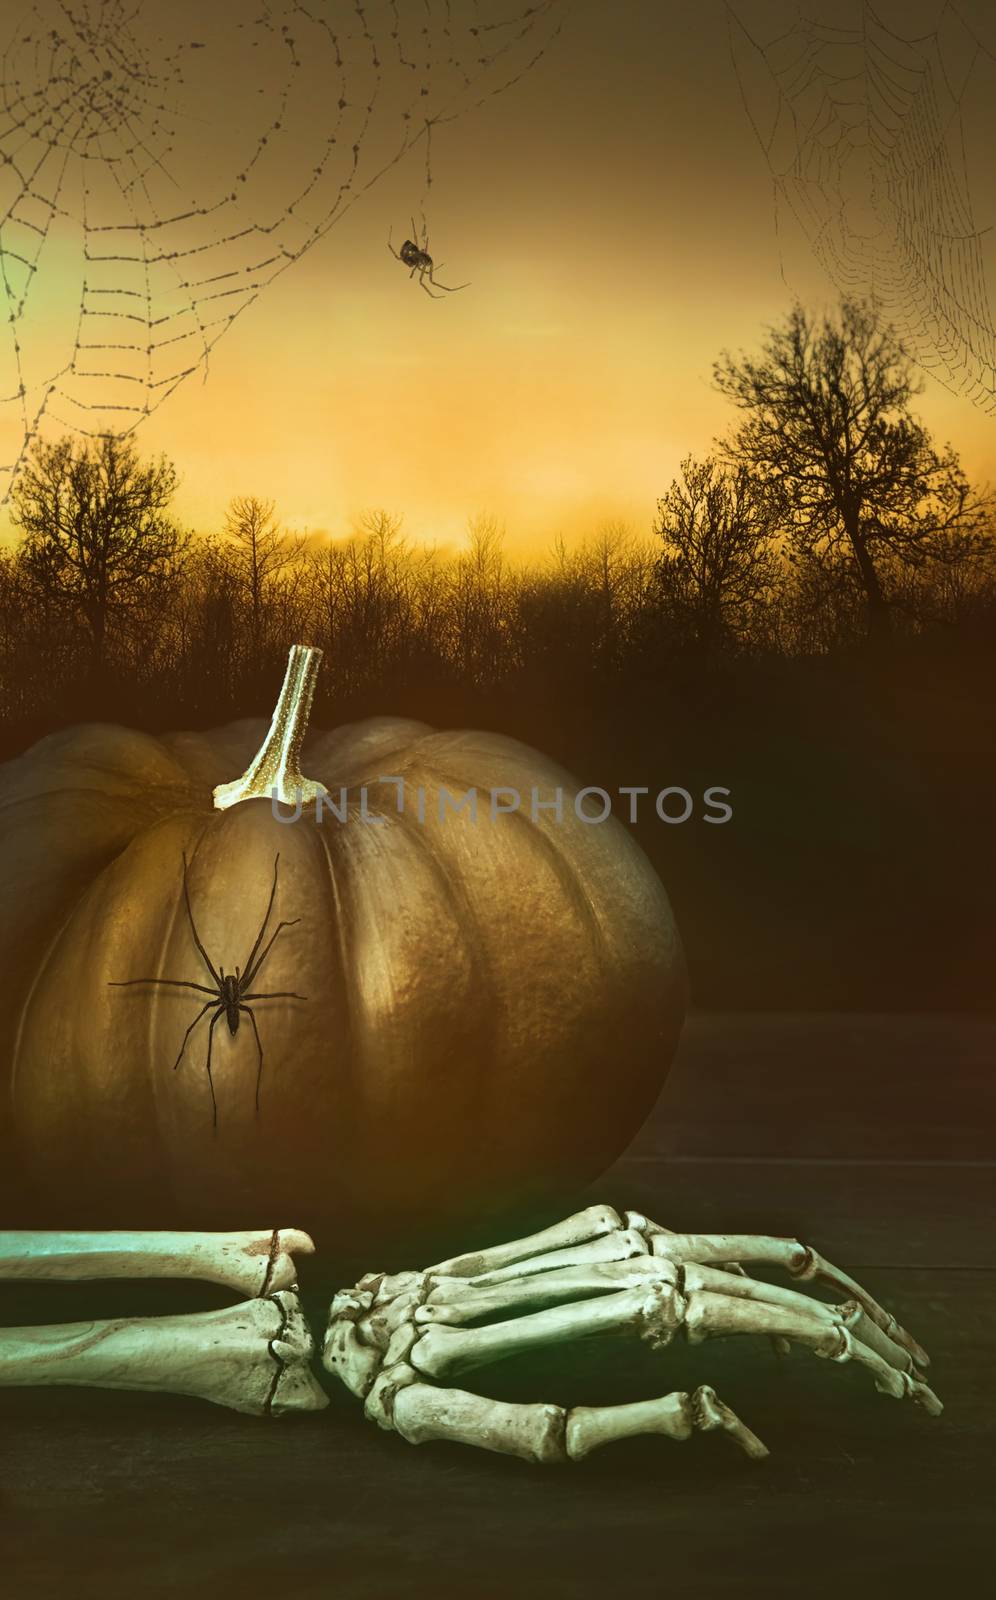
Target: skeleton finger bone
{"x":254,"y":1357}
{"x":653,"y":1310}
{"x":823,"y":1329}
{"x":634,"y":1231}
{"x":579,"y":1229}
{"x":676,"y":1415}
{"x":548,"y":1434}
{"x":623,"y":1245}
{"x":253,"y":1263}
{"x":799,"y":1260}
{"x":454,"y":1300}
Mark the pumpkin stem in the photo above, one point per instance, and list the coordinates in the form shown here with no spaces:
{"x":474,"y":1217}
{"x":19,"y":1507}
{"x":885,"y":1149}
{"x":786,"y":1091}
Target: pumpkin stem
{"x":276,"y":769}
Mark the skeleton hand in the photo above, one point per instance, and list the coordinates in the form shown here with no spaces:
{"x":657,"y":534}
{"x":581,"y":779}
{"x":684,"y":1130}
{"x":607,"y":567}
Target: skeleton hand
{"x":253,"y":1357}
{"x":392,"y":1337}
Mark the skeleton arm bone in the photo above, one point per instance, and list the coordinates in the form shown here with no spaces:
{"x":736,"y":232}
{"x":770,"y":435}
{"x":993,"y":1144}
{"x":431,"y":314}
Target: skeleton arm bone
{"x":254,"y":1263}
{"x":254,"y":1357}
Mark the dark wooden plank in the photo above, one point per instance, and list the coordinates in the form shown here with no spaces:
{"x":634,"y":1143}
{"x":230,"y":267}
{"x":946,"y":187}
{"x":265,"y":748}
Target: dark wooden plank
{"x":864,"y":1213}
{"x":830,"y":1084}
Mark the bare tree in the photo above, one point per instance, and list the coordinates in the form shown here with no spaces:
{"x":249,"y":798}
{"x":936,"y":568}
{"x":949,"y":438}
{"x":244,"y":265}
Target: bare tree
{"x":252,"y":524}
{"x":952,"y":592}
{"x":98,"y":538}
{"x":375,"y":600}
{"x":478,"y":582}
{"x":577,"y":615}
{"x":9,"y":606}
{"x":829,"y":434}
{"x":821,"y":607}
{"x":619,"y":569}
{"x":719,"y":563}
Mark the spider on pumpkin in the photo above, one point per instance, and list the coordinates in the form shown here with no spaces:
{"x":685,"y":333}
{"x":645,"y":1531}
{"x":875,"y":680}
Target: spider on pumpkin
{"x":414,"y":253}
{"x":231,"y":992}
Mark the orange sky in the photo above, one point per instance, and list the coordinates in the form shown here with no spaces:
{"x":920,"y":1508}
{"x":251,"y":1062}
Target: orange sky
{"x":615,"y":216}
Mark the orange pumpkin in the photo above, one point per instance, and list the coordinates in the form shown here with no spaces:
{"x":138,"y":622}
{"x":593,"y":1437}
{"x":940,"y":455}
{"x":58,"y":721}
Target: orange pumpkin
{"x":491,"y":1003}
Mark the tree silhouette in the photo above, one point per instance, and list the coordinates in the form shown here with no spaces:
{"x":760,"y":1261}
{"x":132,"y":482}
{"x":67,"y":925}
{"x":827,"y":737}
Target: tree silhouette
{"x":480,"y":585}
{"x":719,"y":564}
{"x":829,"y":434}
{"x":251,"y":523}
{"x":99,"y":541}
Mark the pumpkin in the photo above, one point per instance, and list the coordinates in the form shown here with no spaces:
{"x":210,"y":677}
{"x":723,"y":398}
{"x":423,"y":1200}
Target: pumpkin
{"x":490,"y":1003}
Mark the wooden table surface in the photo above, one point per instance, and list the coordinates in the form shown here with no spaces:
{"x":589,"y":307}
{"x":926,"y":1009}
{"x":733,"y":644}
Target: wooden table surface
{"x":870,"y":1137}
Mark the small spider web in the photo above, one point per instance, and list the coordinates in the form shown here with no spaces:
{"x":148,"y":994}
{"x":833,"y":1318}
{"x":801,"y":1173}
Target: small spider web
{"x":863,"y":133}
{"x":161,"y":165}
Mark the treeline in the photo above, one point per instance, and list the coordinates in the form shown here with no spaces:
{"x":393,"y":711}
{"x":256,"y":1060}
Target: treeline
{"x":827,"y":521}
{"x":207,"y":634}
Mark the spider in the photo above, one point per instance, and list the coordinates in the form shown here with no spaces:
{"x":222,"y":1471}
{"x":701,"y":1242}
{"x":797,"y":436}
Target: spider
{"x":416,"y":255}
{"x":231,"y":991}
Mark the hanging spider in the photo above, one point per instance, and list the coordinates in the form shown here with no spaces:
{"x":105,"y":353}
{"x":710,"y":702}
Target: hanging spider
{"x":415,"y":254}
{"x":231,"y":992}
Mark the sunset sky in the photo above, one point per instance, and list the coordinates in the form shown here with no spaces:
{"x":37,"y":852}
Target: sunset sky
{"x":615,"y":216}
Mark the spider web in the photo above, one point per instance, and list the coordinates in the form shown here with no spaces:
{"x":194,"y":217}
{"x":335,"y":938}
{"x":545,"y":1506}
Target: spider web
{"x":161,"y":165}
{"x":863,"y":131}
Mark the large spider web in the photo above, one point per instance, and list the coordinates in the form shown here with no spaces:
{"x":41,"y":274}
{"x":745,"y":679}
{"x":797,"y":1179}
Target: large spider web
{"x":161,"y":164}
{"x":863,"y":131}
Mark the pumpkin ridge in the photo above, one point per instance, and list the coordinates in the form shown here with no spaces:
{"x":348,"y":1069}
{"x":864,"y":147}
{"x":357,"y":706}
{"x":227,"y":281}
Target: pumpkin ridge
{"x":561,"y":867}
{"x":63,"y":744}
{"x":339,"y":945}
{"x":458,"y":901}
{"x":483,"y":968}
{"x":55,"y":942}
{"x":135,"y":793}
{"x":469,"y":741}
{"x":569,"y":882}
{"x":191,"y":855}
{"x":153,"y":1076}
{"x":42,"y":967}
